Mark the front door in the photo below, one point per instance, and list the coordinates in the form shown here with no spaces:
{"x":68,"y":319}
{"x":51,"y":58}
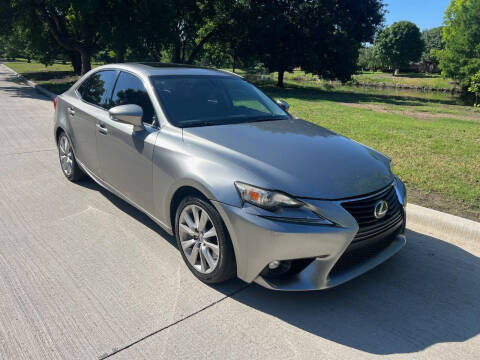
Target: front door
{"x":126,"y":155}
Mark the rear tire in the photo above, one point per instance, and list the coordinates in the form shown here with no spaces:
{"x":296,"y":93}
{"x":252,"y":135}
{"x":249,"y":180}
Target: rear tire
{"x":68,"y":163}
{"x":203,"y":241}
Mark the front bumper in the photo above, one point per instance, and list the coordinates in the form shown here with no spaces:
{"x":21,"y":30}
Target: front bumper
{"x":258,"y":241}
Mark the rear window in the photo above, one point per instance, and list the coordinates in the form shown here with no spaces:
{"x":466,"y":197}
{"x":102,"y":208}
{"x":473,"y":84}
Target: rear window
{"x":96,"y":89}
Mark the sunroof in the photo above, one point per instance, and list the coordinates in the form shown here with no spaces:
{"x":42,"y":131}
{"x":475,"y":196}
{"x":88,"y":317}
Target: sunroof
{"x":168,"y":65}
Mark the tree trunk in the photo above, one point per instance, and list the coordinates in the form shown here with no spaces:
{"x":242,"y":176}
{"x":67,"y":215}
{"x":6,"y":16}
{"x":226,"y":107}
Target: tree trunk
{"x":396,"y":72}
{"x":86,"y":66}
{"x":76,"y":61}
{"x":176,"y":52}
{"x":234,"y":61}
{"x":29,"y":60}
{"x":120,"y":55}
{"x":280,"y":78}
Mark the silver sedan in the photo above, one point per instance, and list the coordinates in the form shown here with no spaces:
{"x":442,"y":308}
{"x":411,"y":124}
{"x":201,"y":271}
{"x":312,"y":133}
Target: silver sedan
{"x":247,"y":189}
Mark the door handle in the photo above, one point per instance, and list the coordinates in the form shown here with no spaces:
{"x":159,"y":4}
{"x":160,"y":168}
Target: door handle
{"x":102,"y":129}
{"x":71,"y":111}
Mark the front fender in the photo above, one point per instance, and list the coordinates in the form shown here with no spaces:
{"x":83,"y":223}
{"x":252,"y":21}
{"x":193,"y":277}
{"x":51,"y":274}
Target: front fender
{"x":174,"y":167}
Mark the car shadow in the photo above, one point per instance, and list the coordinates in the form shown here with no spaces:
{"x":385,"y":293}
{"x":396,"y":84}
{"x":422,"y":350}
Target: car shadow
{"x":425,"y":295}
{"x":129,"y":209}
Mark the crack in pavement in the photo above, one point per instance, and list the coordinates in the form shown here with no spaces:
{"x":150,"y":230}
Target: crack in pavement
{"x":28,"y":152}
{"x":118,"y":350}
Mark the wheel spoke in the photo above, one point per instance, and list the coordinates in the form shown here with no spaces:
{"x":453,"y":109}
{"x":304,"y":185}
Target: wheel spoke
{"x":194,"y":255}
{"x":203,"y":221}
{"x":203,"y":265}
{"x":67,"y":145}
{"x":207,"y":256}
{"x":188,"y":220}
{"x":188,"y":243}
{"x":63,"y":159}
{"x":213,"y":247}
{"x":196,"y":218}
{"x":210,"y":233}
{"x":62,"y":145}
{"x":186,"y":229}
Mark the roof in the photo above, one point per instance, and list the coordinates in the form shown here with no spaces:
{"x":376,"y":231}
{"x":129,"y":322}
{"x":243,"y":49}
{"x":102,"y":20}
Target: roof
{"x":152,"y":69}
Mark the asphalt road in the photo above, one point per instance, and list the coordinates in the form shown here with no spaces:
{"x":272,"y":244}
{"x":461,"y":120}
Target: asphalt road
{"x":83,"y":275}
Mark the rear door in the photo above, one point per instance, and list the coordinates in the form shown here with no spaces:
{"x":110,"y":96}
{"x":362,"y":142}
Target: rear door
{"x":84,"y":113}
{"x":126,"y":155}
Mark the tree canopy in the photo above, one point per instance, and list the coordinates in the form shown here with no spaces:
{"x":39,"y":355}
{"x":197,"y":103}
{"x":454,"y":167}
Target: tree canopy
{"x":322,"y":37}
{"x":432,"y":40}
{"x":460,"y":59}
{"x":400,"y":44}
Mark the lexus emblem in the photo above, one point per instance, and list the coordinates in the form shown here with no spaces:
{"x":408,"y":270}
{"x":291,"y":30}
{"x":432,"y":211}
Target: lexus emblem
{"x":380,"y":209}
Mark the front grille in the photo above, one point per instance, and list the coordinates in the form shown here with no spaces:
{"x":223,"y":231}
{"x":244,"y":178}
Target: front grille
{"x":363,"y":211}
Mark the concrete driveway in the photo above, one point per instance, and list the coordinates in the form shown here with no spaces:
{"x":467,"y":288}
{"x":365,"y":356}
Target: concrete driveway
{"x":83,"y":275}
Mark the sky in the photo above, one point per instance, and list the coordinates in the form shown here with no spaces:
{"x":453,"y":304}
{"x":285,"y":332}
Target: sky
{"x":426,"y":14}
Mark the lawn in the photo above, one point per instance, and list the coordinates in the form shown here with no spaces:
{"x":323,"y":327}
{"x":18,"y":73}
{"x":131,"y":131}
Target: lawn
{"x":419,"y":80}
{"x":57,"y":77}
{"x":433,"y":139}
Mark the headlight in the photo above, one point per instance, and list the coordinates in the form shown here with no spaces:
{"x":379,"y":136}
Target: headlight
{"x":265,"y":198}
{"x":401,"y":191}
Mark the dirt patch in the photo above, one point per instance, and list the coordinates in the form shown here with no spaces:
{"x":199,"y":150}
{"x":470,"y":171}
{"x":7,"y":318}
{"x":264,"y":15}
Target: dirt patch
{"x":414,"y":114}
{"x":435,"y":201}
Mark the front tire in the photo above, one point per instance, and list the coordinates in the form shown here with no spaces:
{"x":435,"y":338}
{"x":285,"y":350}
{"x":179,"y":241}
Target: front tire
{"x":203,"y":241}
{"x":68,"y":163}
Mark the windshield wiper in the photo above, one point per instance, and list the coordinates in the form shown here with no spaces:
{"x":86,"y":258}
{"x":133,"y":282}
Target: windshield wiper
{"x":199,"y":123}
{"x":272,"y":118}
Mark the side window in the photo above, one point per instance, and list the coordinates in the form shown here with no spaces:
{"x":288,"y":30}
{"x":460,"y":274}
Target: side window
{"x":130,"y":90}
{"x":97,"y":87}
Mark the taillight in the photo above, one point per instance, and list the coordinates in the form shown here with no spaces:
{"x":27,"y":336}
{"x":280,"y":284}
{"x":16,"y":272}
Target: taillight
{"x":55,"y":103}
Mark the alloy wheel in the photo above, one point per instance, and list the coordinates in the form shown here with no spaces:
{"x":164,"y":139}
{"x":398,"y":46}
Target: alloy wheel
{"x":66,"y":155}
{"x":198,"y":238}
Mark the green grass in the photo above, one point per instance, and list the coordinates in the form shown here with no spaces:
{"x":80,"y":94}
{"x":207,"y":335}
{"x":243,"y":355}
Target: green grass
{"x":433,"y":139}
{"x":57,"y":77}
{"x":408,"y":79}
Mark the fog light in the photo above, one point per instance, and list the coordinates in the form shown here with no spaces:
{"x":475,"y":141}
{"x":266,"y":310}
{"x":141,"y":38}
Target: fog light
{"x":274,"y":264}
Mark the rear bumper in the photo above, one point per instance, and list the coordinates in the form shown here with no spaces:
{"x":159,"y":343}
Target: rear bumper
{"x":258,"y":241}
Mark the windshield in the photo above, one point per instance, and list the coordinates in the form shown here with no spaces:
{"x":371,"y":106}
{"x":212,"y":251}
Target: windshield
{"x":213,"y":100}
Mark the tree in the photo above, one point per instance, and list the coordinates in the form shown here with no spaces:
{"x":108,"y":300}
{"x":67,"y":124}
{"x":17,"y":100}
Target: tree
{"x":272,"y":35}
{"x":475,"y":86}
{"x":322,"y":37}
{"x":334,"y":33}
{"x":400,"y":44}
{"x":75,"y":25}
{"x":460,"y":59}
{"x":432,"y":40}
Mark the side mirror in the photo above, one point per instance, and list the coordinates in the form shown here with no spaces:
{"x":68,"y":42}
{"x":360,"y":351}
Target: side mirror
{"x":283,"y":104}
{"x":128,"y":114}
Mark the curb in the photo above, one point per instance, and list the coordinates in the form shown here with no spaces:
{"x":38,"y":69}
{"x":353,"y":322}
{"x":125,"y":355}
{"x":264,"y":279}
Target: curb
{"x":37,"y":87}
{"x":441,"y":224}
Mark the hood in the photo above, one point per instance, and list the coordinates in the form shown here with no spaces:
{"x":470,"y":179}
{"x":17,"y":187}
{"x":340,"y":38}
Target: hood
{"x":294,"y":156}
